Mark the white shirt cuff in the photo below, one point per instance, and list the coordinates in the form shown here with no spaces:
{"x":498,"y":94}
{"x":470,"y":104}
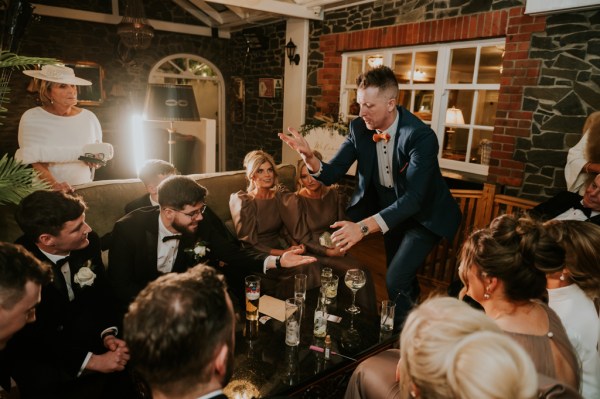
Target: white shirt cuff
{"x":269,"y":263}
{"x":317,"y":173}
{"x":381,"y":223}
{"x":109,"y":331}
{"x":84,"y":364}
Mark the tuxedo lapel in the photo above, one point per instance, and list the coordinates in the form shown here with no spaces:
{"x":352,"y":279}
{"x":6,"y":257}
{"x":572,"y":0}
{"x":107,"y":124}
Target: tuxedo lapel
{"x":151,"y":240}
{"x":182,"y":259}
{"x":58,"y":280}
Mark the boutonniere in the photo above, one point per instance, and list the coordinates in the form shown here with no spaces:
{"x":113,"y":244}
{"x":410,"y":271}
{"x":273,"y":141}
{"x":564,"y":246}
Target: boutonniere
{"x":199,"y":251}
{"x":85,"y":275}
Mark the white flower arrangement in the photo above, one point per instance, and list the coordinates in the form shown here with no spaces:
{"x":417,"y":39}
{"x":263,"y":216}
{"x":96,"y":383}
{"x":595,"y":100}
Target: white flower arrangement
{"x":199,"y":251}
{"x":85,"y":275}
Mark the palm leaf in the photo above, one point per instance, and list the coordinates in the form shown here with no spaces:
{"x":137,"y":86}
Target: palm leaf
{"x":11,"y":60}
{"x":17,"y":181}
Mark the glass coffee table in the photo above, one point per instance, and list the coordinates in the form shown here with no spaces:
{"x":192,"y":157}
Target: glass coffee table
{"x":265,"y":366}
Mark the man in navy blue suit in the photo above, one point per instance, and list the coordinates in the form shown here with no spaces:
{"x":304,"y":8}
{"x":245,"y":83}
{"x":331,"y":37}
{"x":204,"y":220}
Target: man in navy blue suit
{"x":400,"y":189}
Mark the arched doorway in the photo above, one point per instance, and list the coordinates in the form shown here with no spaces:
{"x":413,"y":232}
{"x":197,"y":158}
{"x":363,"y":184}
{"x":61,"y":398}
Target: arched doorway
{"x":207,"y":79}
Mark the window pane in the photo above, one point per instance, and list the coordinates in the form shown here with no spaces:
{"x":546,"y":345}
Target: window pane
{"x":423,"y":104}
{"x":463,"y":101}
{"x":487,"y":102}
{"x":481,"y":146}
{"x":425,"y":64}
{"x":404,"y":98}
{"x":373,"y":61}
{"x":455,"y":144}
{"x":401,"y":66}
{"x":462,"y":65}
{"x":354,"y":69}
{"x":353,"y":107}
{"x":490,"y":62}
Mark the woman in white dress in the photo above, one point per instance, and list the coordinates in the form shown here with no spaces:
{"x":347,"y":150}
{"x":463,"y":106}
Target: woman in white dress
{"x":572,"y":291}
{"x":53,"y":135}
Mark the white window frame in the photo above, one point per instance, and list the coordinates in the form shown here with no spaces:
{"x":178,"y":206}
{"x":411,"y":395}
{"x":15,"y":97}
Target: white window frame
{"x":440,"y":90}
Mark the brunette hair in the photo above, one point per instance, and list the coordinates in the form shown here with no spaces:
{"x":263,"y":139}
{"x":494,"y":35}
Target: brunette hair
{"x":17,"y":267}
{"x":516,"y":250}
{"x":45,"y":212}
{"x":174,"y":327}
{"x":382,"y":78}
{"x":179,"y":191}
{"x":581,"y":242}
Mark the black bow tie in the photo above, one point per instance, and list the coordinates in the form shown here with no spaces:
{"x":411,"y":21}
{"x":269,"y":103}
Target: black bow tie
{"x":586,"y":211}
{"x":175,"y":237}
{"x":62,"y":261}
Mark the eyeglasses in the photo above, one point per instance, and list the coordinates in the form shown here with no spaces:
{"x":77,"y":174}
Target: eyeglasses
{"x":193,"y":214}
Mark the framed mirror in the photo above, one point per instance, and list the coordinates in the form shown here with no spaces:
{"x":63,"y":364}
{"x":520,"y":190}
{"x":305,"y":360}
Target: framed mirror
{"x":94,"y":94}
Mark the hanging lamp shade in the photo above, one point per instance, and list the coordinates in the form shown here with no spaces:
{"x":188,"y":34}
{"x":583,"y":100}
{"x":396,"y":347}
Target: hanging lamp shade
{"x":134,"y":30}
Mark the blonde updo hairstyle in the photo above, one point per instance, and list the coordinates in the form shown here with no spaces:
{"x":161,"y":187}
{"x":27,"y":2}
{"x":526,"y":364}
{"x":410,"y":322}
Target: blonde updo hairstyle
{"x":516,"y":250}
{"x":252,"y":162}
{"x":299,"y":166}
{"x":450,"y":350}
{"x":581,"y":242}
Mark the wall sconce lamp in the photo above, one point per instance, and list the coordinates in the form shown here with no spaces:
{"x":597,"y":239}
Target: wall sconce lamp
{"x":290,"y":50}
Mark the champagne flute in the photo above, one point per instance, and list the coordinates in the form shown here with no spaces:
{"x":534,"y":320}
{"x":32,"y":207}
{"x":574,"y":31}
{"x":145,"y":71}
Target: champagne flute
{"x":355,"y":279}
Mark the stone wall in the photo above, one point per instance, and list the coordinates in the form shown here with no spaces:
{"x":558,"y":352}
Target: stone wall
{"x":263,"y":116}
{"x":565,"y":94}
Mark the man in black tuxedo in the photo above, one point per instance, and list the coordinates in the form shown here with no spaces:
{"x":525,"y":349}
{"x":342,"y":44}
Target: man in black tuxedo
{"x":178,"y":234}
{"x":21,"y":279}
{"x":400,"y":189}
{"x":193,"y":311}
{"x":152,"y":173}
{"x":71,"y":350}
{"x":567,"y":205}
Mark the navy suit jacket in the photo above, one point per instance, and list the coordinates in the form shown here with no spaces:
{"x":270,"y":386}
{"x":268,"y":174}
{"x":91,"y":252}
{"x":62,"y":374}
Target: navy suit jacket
{"x":48,"y":353}
{"x":420,"y":188}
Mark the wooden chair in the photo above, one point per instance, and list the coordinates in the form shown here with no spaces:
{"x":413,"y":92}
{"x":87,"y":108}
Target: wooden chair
{"x":478,"y":208}
{"x":440,"y":267}
{"x":506,"y":204}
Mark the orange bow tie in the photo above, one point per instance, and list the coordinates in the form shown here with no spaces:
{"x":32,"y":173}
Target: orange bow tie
{"x":377,"y":137}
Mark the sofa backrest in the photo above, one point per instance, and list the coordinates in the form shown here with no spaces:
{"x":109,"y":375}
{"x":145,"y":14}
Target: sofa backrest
{"x":106,"y":199}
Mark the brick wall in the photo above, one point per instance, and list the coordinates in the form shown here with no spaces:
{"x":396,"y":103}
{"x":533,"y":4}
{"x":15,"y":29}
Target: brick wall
{"x":540,"y":103}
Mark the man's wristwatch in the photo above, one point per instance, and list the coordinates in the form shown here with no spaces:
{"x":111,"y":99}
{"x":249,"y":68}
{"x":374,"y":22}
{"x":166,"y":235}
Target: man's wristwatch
{"x":278,"y":262}
{"x":363,"y":229}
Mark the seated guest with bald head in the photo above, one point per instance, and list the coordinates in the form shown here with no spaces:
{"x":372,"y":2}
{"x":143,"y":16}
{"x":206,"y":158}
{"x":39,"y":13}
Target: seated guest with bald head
{"x":572,"y":206}
{"x":181,"y":332}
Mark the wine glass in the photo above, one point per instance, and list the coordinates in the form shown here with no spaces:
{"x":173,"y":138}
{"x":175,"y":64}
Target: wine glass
{"x":355,"y":279}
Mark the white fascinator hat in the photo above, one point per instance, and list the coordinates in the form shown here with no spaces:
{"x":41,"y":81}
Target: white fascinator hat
{"x":58,"y":74}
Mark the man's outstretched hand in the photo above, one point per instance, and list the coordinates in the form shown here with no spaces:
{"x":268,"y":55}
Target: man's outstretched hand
{"x":293,"y":258}
{"x":299,"y":144}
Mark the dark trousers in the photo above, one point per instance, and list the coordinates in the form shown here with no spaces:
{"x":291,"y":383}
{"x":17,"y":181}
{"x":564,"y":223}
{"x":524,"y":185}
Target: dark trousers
{"x":406,"y":248}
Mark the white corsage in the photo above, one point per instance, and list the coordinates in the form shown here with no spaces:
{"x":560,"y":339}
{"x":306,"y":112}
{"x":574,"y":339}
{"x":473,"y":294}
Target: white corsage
{"x":85,"y":275}
{"x":199,"y":251}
